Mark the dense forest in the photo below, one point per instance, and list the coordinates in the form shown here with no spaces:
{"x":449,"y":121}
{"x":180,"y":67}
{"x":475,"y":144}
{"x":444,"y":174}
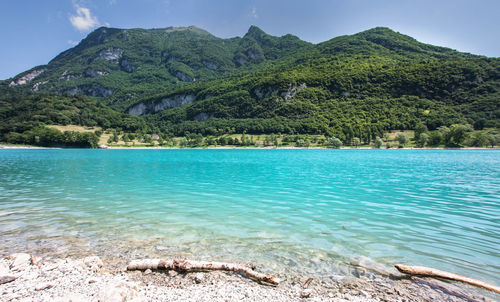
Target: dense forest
{"x":184,"y":82}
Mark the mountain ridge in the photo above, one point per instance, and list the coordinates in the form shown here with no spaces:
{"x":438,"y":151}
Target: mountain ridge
{"x":185,"y":80}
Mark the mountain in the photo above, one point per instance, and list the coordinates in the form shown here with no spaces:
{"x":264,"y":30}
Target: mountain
{"x":180,"y":80}
{"x":121,"y":65}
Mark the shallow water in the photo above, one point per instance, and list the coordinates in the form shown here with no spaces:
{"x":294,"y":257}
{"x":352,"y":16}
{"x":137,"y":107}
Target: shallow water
{"x":310,"y":211}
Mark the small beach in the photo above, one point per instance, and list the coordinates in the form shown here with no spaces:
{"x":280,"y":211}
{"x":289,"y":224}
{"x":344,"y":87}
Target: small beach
{"x":91,"y":279}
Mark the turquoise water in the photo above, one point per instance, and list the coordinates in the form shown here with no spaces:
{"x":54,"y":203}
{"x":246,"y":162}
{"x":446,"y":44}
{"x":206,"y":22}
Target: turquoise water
{"x":310,"y":211}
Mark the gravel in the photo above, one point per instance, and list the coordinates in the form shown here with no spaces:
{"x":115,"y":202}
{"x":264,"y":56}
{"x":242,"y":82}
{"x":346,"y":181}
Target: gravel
{"x":28,"y":278}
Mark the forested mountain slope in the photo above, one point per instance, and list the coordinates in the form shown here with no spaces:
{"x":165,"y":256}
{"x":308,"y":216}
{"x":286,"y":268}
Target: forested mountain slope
{"x":185,"y":80}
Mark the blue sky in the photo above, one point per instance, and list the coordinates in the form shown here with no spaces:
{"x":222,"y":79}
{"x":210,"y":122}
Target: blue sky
{"x":34,"y":31}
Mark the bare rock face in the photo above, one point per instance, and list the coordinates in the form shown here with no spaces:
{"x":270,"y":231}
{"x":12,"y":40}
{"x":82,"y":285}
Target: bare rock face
{"x":174,"y":101}
{"x":240,"y":61}
{"x":111,"y":54}
{"x":138,"y":109}
{"x":27,"y":77}
{"x":288,"y":95}
{"x":166,"y":103}
{"x":292,"y":91}
{"x":68,"y":77}
{"x":92,"y":73}
{"x":183,"y":77}
{"x":210,"y":65}
{"x":126,"y":65}
{"x":264,"y":92}
{"x":37,"y":85}
{"x":202,"y":116}
{"x":253,"y":54}
{"x":95,"y":90}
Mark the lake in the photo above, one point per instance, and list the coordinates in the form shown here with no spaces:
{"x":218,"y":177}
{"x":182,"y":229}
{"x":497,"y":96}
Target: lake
{"x":306,"y":211}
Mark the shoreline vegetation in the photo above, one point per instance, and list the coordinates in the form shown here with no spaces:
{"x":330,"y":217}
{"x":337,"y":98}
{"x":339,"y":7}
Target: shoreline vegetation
{"x":28,"y":147}
{"x":25,"y":277}
{"x":457,"y":136}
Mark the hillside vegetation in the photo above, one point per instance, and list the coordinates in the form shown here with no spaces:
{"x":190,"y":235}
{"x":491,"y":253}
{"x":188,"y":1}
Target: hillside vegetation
{"x":185,"y":81}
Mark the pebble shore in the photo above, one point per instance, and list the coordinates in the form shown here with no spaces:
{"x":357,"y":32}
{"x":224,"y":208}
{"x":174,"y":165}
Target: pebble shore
{"x":27,"y":278}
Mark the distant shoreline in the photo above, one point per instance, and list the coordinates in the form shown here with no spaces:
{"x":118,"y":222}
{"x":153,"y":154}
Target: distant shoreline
{"x":21,"y":147}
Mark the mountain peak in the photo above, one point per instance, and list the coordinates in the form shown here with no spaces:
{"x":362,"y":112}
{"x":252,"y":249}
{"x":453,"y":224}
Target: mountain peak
{"x":255,"y":32}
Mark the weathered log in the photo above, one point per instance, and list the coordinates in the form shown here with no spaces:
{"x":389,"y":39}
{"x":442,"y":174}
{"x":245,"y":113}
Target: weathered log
{"x":431,"y":272}
{"x":190,"y":265}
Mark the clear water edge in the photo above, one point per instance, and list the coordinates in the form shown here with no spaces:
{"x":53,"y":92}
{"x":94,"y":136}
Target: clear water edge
{"x":310,"y":211}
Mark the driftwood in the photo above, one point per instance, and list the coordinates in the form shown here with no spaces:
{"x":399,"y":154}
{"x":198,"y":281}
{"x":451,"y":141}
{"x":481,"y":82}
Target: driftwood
{"x":430,"y":272}
{"x":189,"y":266}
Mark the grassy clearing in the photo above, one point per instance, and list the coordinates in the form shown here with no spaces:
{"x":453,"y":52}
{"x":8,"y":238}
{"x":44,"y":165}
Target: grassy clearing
{"x":257,"y":140}
{"x":74,"y":128}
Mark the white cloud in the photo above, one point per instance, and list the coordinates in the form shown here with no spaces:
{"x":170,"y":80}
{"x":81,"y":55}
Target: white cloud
{"x":83,"y":20}
{"x":253,"y":13}
{"x":72,"y":43}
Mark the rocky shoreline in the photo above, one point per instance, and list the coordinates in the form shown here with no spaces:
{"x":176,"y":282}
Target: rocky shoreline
{"x":27,"y":278}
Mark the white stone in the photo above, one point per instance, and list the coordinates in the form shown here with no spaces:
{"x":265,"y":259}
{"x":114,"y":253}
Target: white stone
{"x":93,"y":262}
{"x":21,"y":261}
{"x":4,"y":269}
{"x":198,"y":278}
{"x":118,"y":292}
{"x":306,"y":293}
{"x":42,"y":286}
{"x":72,"y":298}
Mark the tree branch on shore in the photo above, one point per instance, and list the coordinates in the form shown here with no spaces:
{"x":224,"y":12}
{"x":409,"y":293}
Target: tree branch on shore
{"x":431,"y":272}
{"x":190,"y":266}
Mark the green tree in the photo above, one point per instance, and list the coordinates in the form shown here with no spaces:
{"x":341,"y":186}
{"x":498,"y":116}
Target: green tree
{"x":435,"y":138}
{"x":424,"y":139}
{"x":148,"y":139}
{"x":333,"y":142}
{"x":457,"y":134}
{"x":378,"y":142}
{"x":419,"y":129}
{"x":356,"y":141}
{"x":402,"y":139}
{"x":494,"y":139}
{"x":303,"y":143}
